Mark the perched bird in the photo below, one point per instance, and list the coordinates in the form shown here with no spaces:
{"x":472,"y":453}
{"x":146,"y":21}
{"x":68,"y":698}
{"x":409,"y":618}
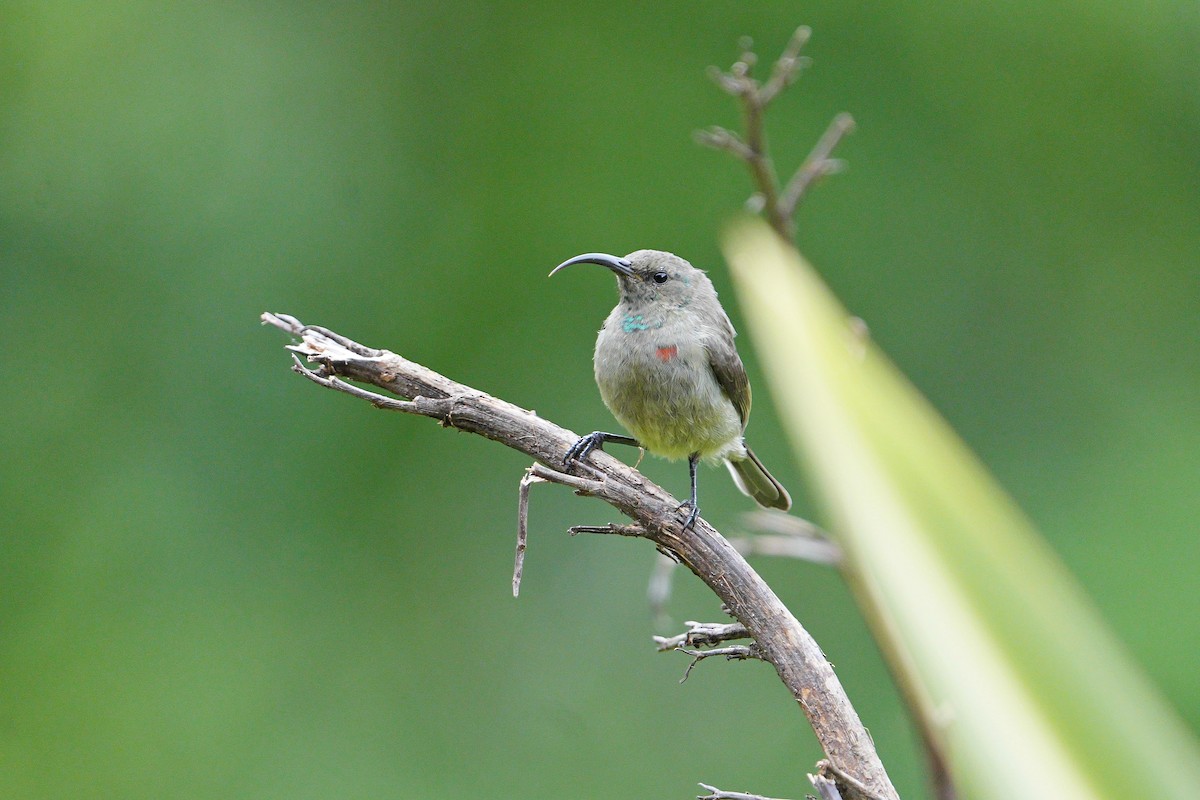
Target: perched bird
{"x":668,"y":370}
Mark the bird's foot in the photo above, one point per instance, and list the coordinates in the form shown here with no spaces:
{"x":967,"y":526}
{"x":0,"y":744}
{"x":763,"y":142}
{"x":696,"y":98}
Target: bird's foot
{"x":584,"y":446}
{"x":690,"y":520}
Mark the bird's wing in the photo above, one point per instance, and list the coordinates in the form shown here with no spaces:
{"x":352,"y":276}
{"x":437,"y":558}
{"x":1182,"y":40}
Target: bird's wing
{"x":729,"y":372}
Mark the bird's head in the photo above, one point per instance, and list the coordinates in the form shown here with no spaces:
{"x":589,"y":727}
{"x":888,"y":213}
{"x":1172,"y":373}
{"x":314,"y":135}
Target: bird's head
{"x":651,"y":277}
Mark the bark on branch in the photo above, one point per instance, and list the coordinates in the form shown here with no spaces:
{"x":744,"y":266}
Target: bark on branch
{"x":779,"y":636}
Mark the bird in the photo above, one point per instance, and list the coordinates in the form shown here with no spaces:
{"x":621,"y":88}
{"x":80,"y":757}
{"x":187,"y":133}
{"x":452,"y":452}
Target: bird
{"x":668,"y":370}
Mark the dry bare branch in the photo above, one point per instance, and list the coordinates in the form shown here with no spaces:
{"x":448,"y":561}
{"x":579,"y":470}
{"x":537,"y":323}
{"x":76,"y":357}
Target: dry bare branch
{"x":777,"y":634}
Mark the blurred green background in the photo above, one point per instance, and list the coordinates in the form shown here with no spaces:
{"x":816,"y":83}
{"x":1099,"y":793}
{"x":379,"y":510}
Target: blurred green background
{"x":219,"y":581}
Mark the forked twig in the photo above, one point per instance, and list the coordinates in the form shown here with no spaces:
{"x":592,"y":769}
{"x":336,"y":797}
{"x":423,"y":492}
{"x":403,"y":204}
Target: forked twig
{"x":737,"y":652}
{"x":777,"y":204}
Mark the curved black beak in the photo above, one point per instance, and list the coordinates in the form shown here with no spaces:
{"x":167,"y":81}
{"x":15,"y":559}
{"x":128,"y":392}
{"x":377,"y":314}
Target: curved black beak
{"x":621,"y":266}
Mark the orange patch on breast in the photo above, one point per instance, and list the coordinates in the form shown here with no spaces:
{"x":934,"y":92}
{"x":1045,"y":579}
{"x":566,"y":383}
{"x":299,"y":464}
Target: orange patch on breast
{"x":667,"y":353}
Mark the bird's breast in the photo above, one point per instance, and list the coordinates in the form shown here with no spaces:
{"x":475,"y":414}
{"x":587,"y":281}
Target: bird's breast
{"x":665,"y":353}
{"x":659,"y":385}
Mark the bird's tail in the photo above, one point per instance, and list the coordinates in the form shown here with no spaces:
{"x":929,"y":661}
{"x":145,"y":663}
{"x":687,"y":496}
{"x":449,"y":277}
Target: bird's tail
{"x":753,"y":479}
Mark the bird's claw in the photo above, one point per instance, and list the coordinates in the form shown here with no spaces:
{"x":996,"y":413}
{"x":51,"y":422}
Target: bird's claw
{"x":690,"y":520}
{"x":583,"y":447}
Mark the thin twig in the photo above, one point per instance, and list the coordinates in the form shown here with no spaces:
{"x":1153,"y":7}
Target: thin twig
{"x":818,"y":164}
{"x":522,"y":527}
{"x":583,"y":486}
{"x":825,"y":787}
{"x":717,"y":794}
{"x":777,"y":634}
{"x":786,"y":536}
{"x":736,"y":652}
{"x":719,"y":138}
{"x":321,"y":378}
{"x":702,"y":634}
{"x":769,"y":521}
{"x":816,"y":551}
{"x":636,"y":531}
{"x":788,"y":66}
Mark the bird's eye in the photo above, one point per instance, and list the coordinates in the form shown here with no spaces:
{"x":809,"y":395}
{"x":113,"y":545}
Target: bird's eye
{"x":660,"y":277}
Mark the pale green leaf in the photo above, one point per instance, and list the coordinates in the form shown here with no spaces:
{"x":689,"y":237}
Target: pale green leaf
{"x":1028,"y":691}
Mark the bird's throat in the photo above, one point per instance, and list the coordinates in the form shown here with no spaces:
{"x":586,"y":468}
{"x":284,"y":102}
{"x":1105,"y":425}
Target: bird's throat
{"x":636,"y":323}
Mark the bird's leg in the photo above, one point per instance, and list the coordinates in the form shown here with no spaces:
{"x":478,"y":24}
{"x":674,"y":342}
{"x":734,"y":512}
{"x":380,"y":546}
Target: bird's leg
{"x":693,"y":460}
{"x":595,"y":441}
